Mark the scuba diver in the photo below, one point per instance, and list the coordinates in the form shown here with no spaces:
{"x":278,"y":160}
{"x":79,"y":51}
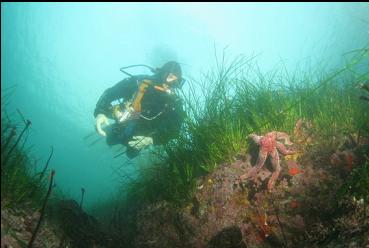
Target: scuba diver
{"x":151,"y":112}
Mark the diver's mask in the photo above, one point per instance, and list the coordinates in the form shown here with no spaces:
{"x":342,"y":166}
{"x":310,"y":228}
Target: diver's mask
{"x":173,"y":81}
{"x":167,"y":84}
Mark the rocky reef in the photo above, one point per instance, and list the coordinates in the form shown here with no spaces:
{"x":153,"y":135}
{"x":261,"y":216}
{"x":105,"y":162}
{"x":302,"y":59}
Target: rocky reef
{"x":305,"y":208}
{"x":18,"y":225}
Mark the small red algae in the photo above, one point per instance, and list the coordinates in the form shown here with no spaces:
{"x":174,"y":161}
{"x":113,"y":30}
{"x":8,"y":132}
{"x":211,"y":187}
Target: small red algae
{"x":294,"y":204}
{"x":294,"y":171}
{"x":349,"y":160}
{"x":265,"y":229}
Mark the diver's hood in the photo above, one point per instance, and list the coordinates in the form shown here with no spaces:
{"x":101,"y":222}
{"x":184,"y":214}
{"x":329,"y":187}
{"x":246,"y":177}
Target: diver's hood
{"x":161,"y":74}
{"x":171,"y":67}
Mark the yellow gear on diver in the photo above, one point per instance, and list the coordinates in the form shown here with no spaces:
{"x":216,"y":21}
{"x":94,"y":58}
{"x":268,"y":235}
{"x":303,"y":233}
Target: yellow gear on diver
{"x":141,"y":91}
{"x":135,"y":105}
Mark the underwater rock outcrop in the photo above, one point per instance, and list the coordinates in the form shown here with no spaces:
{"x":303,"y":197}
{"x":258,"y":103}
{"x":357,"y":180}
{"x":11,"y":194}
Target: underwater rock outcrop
{"x":18,"y":224}
{"x":301,"y":212}
{"x":79,"y":229}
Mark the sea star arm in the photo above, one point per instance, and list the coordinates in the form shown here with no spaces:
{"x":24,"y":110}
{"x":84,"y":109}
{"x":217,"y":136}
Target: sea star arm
{"x":255,"y":138}
{"x":277,"y":169}
{"x":259,"y":164}
{"x":283,"y":136}
{"x":284,"y":150}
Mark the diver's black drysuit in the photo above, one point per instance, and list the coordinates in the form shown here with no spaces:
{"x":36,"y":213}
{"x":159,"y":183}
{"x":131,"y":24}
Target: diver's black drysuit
{"x":168,"y":110}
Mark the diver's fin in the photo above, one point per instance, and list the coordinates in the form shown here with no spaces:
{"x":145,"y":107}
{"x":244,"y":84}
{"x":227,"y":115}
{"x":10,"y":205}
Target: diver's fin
{"x":120,"y":154}
{"x":95,"y":141}
{"x":89,"y":135}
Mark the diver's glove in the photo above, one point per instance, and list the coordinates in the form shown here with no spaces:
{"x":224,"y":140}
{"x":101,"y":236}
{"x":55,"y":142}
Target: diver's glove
{"x":101,"y":119}
{"x":139,"y":142}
